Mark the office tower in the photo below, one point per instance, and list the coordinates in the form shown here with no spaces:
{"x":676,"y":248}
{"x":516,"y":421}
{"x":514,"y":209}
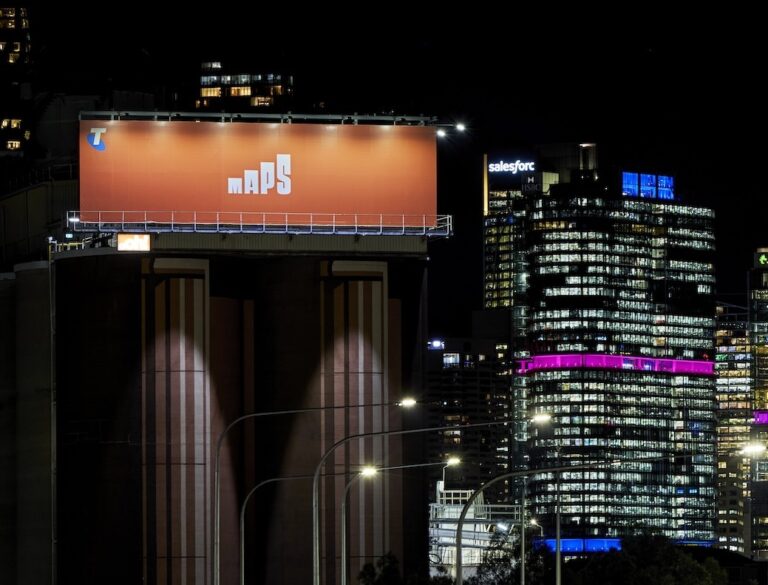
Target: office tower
{"x":758,"y":312}
{"x":616,"y":283}
{"x":733,"y":393}
{"x":467,"y":383}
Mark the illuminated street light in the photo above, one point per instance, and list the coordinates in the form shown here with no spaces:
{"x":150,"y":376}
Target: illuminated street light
{"x":460,"y":127}
{"x":441,"y":133}
{"x":407,"y":402}
{"x":752,"y":449}
{"x":370,"y":471}
{"x":541,"y":417}
{"x":316,"y":481}
{"x":216,"y":542}
{"x":450,"y":463}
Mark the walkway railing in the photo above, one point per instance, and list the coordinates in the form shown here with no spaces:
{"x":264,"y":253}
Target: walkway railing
{"x":248,"y":222}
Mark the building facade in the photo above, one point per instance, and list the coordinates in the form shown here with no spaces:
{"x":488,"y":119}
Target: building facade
{"x":615,"y":278}
{"x":734,"y":388}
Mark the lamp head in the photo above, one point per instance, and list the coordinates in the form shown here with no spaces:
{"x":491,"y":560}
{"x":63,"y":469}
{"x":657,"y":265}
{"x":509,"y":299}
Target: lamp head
{"x":407,"y":402}
{"x":452,"y":461}
{"x":541,"y":418}
{"x":753,"y":449}
{"x":368,"y":471}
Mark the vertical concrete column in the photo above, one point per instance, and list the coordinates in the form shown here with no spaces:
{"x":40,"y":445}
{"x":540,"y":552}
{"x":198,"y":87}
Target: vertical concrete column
{"x":7,"y":428}
{"x":34,"y":430}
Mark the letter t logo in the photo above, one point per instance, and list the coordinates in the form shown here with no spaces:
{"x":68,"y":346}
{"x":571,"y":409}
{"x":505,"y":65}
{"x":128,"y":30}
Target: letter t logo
{"x":94,"y":138}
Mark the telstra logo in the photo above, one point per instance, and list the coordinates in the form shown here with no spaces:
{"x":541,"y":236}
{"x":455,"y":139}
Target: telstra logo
{"x":95,"y":139}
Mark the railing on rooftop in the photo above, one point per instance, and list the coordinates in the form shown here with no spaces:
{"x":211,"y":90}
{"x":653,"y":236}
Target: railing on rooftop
{"x":259,"y":223}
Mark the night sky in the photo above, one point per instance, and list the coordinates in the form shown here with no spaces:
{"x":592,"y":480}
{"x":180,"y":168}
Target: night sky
{"x":679,"y":94}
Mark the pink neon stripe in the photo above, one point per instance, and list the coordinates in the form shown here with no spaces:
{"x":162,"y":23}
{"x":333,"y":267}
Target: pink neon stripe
{"x":616,"y":362}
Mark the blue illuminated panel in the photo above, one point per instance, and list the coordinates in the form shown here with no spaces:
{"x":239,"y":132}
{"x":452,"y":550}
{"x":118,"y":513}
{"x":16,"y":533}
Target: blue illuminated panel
{"x":581,"y":545}
{"x":648,"y":186}
{"x":629,"y":184}
{"x":666,"y":187}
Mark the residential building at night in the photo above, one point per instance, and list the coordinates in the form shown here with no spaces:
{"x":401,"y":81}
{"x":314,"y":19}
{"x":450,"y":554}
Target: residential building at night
{"x":15,"y":92}
{"x":613,"y":279}
{"x":224,"y":88}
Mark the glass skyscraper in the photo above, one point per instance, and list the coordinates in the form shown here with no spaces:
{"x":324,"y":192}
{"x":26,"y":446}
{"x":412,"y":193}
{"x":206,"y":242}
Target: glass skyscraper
{"x":610,"y":281}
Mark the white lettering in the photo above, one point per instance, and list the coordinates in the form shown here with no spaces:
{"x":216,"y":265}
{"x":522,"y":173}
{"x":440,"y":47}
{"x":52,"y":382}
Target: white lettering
{"x":97,"y":132}
{"x":284,"y":174}
{"x":512,"y":167}
{"x":234,"y":185}
{"x":269,"y":176}
{"x":251,"y":179}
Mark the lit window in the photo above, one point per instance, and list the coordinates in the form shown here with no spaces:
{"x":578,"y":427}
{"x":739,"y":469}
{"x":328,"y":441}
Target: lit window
{"x":276,"y":90}
{"x":5,"y":123}
{"x":16,"y":47}
{"x":27,"y":134}
{"x":259,"y":101}
{"x":15,"y":123}
{"x":13,"y":144}
{"x":13,"y":57}
{"x":2,"y":46}
{"x":210,"y":92}
{"x":240,"y":90}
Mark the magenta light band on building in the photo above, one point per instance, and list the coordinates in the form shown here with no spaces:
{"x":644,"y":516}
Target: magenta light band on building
{"x":761,"y":417}
{"x":615,"y":362}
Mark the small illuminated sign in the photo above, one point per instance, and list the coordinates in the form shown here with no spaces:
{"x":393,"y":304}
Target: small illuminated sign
{"x":515,"y":167}
{"x":133,"y":243}
{"x":647,"y":186}
{"x":761,"y":417}
{"x":761,"y":260}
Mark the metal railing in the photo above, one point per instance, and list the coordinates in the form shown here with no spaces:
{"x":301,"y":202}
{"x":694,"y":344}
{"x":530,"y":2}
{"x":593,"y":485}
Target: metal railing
{"x":249,"y":222}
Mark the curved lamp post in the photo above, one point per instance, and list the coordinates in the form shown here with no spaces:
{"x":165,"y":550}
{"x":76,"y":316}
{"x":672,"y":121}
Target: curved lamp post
{"x":215,"y":566}
{"x":316,"y":480}
{"x":370,"y":472}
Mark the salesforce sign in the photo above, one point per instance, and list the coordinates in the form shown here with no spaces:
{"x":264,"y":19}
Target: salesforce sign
{"x":512,"y":168}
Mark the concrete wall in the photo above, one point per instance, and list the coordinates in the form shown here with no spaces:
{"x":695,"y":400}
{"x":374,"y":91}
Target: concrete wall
{"x":7,"y":428}
{"x":33,"y":425}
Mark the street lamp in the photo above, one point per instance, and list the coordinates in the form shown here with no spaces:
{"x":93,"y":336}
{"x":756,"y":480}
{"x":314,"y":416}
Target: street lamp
{"x":752,"y":449}
{"x":537,"y":419}
{"x":316,"y":480}
{"x":369,"y":471}
{"x":242,"y":516}
{"x":215,"y":566}
{"x":539,"y":526}
{"x":450,"y":463}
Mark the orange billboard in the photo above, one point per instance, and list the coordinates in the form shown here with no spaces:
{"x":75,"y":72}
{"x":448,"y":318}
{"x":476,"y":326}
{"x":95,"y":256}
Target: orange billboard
{"x":258,"y":168}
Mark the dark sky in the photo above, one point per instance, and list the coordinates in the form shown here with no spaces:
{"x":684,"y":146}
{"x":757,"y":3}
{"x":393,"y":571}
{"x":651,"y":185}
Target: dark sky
{"x":678,"y":93}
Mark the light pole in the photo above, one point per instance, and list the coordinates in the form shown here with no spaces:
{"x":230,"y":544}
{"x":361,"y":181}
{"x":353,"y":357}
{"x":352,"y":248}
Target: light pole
{"x":537,"y":419}
{"x":242,"y":516}
{"x":215,"y":566}
{"x":316,"y":480}
{"x":370,"y":472}
{"x":450,"y":463}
